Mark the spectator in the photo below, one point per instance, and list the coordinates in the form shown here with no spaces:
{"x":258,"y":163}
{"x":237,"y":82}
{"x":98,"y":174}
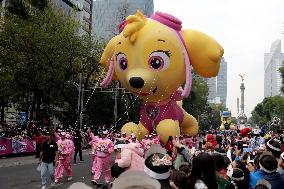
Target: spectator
{"x":274,"y":146}
{"x":179,"y":157}
{"x":135,"y":179}
{"x":169,"y":146}
{"x":223,"y":180}
{"x":185,"y":167}
{"x":258,"y":174}
{"x":269,"y":165}
{"x":178,"y":180}
{"x":263,"y":184}
{"x":239,"y":179}
{"x":157,"y":169}
{"x":281,"y":164}
{"x":241,"y":165}
{"x":203,"y":172}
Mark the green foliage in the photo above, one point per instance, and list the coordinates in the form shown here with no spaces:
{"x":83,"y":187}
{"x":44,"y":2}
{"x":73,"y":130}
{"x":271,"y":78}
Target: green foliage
{"x":267,"y":109}
{"x":281,"y":70}
{"x":214,"y":115}
{"x":196,"y":103}
{"x":19,"y":8}
{"x":40,"y":58}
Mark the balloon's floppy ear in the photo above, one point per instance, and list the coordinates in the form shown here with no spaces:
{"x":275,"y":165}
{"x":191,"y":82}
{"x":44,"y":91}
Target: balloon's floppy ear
{"x":107,"y":60}
{"x":205,"y":53}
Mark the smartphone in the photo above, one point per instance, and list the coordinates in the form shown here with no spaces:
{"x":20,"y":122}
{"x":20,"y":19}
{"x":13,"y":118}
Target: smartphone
{"x":200,"y":146}
{"x":240,"y":145}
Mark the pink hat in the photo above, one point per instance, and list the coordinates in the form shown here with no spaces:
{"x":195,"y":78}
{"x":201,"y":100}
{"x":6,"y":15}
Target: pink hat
{"x":176,"y":25}
{"x":173,"y":23}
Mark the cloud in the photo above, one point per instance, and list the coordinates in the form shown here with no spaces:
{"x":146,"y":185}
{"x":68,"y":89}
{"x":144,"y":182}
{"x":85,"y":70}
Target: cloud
{"x":245,"y":28}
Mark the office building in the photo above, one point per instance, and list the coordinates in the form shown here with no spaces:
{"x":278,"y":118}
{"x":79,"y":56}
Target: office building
{"x":80,"y":9}
{"x":222,"y":82}
{"x":272,"y":62}
{"x":108,"y":14}
{"x":217,"y":86}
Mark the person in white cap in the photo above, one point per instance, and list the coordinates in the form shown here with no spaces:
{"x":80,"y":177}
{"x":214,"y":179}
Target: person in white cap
{"x":158,"y":165}
{"x":65,"y":149}
{"x":103,"y":149}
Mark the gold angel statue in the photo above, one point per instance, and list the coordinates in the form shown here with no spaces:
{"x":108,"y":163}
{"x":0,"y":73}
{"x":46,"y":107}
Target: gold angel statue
{"x":242,"y":77}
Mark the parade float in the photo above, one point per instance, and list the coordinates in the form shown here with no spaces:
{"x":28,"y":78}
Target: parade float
{"x":226,"y":121}
{"x":152,"y":58}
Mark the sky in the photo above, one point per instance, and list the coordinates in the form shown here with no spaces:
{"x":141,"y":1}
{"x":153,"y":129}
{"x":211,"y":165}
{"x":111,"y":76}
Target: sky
{"x":245,"y":29}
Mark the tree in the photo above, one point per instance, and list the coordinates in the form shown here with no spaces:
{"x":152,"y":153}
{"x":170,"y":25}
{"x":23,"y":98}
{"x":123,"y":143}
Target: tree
{"x":282,"y":76}
{"x":42,"y":52}
{"x":267,"y":109}
{"x":213,"y":115}
{"x":196,"y":103}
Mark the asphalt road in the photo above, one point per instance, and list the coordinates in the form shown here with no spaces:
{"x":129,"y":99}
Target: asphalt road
{"x":25,"y":176}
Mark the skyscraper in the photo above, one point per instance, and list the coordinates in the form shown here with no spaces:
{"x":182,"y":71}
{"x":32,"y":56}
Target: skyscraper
{"x":108,"y":14}
{"x":217,"y":86}
{"x":272,"y":62}
{"x":222,"y":82}
{"x":81,"y":9}
{"x":212,"y":89}
{"x":3,"y":3}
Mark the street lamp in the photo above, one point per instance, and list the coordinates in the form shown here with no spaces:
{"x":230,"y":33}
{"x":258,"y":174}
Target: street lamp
{"x":80,"y":88}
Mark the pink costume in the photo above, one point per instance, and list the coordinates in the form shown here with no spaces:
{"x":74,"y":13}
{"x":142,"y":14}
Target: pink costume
{"x":131,"y":157}
{"x":104,"y":148}
{"x":94,"y":140}
{"x":152,"y":114}
{"x":56,"y":136}
{"x":144,"y":144}
{"x":156,"y":140}
{"x":65,"y":149}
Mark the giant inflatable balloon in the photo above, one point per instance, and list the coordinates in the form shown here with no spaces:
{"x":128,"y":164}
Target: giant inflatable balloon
{"x":226,"y":121}
{"x":152,"y":58}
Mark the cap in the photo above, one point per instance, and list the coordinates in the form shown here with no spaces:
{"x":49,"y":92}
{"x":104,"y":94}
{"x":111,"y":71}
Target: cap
{"x":157,"y":163}
{"x":237,"y":175}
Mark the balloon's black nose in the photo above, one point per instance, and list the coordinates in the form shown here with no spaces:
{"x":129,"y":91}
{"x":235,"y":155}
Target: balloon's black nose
{"x":136,"y":82}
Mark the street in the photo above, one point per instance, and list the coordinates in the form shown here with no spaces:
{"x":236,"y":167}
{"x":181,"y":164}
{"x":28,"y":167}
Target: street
{"x":24,"y":175}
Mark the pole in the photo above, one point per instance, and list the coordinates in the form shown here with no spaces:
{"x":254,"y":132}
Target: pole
{"x":79,"y":96}
{"x":115,"y":105}
{"x":82,"y":107}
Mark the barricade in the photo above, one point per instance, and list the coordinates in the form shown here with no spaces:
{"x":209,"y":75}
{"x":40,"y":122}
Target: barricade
{"x":10,"y":146}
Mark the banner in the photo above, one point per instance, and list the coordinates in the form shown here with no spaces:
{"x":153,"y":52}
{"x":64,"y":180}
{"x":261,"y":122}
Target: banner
{"x":5,"y":146}
{"x":15,"y":146}
{"x":22,"y":118}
